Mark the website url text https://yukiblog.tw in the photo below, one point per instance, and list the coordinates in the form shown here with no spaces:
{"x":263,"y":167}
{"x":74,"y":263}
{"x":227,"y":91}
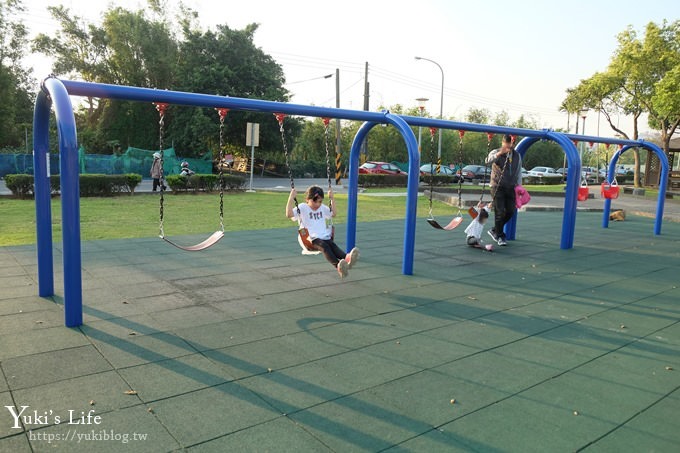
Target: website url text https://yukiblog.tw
{"x":75,"y":435}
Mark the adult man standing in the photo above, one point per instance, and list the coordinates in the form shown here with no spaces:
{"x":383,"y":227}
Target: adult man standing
{"x":506,"y":173}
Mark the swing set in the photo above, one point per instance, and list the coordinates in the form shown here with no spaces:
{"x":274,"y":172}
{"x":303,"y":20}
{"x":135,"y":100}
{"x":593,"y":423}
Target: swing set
{"x":54,"y":94}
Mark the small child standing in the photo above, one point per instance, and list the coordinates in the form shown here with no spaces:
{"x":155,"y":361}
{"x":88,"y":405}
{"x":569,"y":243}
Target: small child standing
{"x":476,"y":228}
{"x":316,"y":218}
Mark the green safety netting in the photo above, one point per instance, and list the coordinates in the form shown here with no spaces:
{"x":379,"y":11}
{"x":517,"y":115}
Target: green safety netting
{"x":133,"y":160}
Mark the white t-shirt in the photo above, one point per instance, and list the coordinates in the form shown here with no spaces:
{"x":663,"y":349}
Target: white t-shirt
{"x":318,"y":222}
{"x":475,"y":229}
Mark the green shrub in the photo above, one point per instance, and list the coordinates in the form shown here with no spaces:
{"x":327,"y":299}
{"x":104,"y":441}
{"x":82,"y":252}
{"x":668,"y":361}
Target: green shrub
{"x":204,"y":182}
{"x":382,"y":180}
{"x":438,"y":180}
{"x":91,"y":185}
{"x":20,"y":185}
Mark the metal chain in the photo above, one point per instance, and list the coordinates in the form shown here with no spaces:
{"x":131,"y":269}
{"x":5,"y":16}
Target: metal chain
{"x":223,"y":113}
{"x":489,"y":136}
{"x":280,"y":117}
{"x":161,"y":131}
{"x":461,"y":134}
{"x":326,"y":122}
{"x":432,"y":132}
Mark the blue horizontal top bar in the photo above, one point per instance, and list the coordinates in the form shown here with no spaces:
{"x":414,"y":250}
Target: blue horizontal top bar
{"x":103,"y":90}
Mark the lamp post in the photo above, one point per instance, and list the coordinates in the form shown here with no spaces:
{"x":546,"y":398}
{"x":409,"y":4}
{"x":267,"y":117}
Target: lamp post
{"x":441,"y":109}
{"x":421,"y":108}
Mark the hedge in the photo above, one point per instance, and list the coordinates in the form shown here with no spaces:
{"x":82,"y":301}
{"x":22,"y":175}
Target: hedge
{"x":439,"y":180}
{"x":91,"y":185}
{"x":204,"y":182}
{"x":382,"y":180}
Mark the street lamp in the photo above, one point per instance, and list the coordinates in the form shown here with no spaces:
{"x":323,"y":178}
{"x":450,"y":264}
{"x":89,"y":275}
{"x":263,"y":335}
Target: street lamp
{"x":441,"y":108}
{"x":421,"y":108}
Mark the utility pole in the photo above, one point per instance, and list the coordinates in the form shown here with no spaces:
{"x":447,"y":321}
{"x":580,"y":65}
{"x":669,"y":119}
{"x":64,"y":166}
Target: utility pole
{"x":338,"y":141}
{"x":366,"y":98}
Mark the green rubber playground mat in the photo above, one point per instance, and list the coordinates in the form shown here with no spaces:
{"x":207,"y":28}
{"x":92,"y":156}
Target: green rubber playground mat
{"x":250,"y":346}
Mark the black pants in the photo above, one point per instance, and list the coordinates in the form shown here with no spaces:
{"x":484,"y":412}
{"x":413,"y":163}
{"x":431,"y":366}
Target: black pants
{"x":503,"y":208}
{"x":157,"y":183}
{"x":330,"y":250}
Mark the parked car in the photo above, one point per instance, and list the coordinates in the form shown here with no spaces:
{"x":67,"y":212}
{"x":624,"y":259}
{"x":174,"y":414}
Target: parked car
{"x":562,"y":171}
{"x":432,"y":168}
{"x":544,"y":172}
{"x":470,"y":172}
{"x":589,"y":173}
{"x":380,"y":168}
{"x":525,"y":173}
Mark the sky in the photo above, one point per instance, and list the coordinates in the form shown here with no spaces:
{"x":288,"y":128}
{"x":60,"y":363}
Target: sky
{"x":517,"y":56}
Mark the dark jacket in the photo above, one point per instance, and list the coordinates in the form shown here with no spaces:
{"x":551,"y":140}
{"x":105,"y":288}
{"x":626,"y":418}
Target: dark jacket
{"x":511,"y":176}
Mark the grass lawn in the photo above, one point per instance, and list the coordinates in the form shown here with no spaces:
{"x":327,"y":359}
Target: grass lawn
{"x":137,"y":216}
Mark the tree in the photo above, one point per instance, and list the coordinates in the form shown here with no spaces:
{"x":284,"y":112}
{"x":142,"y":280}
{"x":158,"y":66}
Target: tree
{"x":128,"y":48}
{"x":642,"y":77}
{"x":227,"y":62}
{"x":15,"y":81}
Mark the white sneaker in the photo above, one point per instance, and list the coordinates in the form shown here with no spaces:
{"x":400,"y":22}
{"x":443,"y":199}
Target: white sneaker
{"x":352,"y":257}
{"x":343,"y":268}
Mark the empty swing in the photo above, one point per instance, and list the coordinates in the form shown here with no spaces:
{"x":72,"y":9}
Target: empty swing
{"x":217,"y":235}
{"x":458,"y":219}
{"x":303,"y":234}
{"x":609,"y":190}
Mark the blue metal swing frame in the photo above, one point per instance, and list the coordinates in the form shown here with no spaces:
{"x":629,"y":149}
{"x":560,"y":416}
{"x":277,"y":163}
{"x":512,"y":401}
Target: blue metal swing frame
{"x":56,"y":93}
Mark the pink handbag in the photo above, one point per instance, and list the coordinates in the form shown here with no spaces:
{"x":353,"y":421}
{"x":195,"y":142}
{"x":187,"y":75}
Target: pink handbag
{"x":522,"y":197}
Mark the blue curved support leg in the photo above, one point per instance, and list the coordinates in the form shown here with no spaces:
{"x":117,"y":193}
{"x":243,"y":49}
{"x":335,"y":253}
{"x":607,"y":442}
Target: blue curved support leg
{"x":42,"y":192}
{"x":70,"y":201}
{"x":353,"y":183}
{"x":571,"y":192}
{"x":663,"y":183}
{"x":411,"y":190}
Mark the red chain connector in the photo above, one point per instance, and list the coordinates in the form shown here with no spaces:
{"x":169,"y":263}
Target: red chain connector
{"x":461,"y":133}
{"x":161,"y":107}
{"x":591,"y":144}
{"x":222,"y":112}
{"x":575,"y":142}
{"x":326,"y":121}
{"x":489,"y":136}
{"x":433,"y":130}
{"x":620,"y":146}
{"x":280,"y":117}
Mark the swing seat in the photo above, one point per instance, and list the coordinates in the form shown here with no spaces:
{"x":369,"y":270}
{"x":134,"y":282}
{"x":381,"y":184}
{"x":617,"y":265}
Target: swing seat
{"x":209,"y":242}
{"x":305,"y":250}
{"x":609,"y":190}
{"x":473,"y":212}
{"x":583,"y":193}
{"x":448,"y":227}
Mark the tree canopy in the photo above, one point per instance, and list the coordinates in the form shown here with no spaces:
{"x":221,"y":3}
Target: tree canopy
{"x":643,"y":76}
{"x":15,"y":81}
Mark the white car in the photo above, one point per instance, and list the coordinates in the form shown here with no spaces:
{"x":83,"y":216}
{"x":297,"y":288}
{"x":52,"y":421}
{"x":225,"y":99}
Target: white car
{"x":544,"y":172}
